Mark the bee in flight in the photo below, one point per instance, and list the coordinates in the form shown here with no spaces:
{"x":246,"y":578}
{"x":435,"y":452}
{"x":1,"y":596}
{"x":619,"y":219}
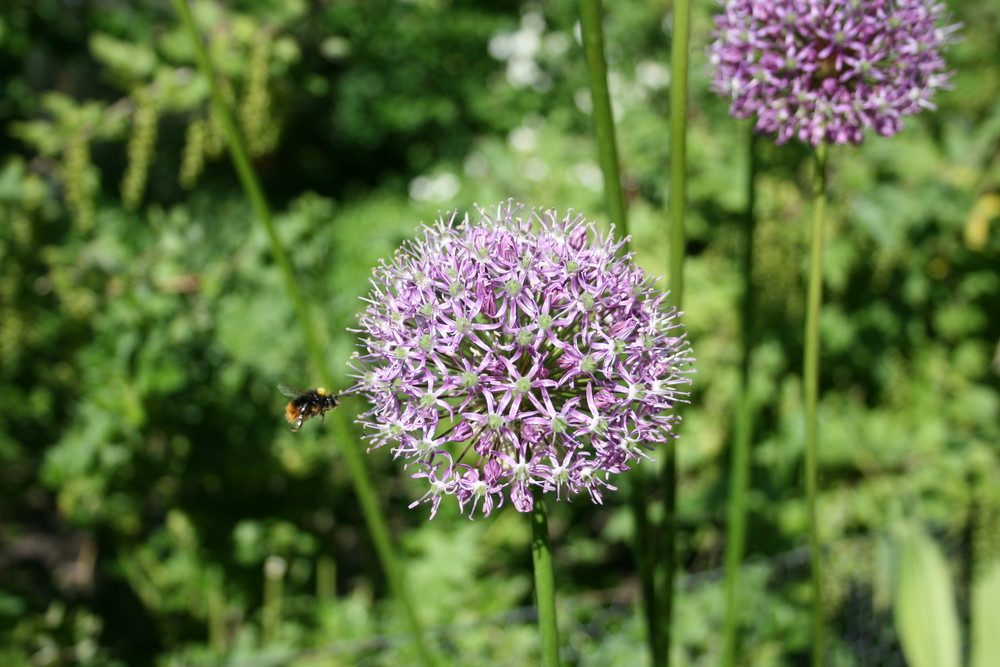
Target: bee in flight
{"x":307,"y":403}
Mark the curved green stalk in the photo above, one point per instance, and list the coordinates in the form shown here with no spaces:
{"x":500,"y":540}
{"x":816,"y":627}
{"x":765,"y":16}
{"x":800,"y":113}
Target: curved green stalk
{"x":604,"y":124}
{"x":678,"y":201}
{"x":604,"y":131}
{"x":811,"y":382}
{"x":545,"y":586}
{"x":739,"y":465}
{"x":352,"y":455}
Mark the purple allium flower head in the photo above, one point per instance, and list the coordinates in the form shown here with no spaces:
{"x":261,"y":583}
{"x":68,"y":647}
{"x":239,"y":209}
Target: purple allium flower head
{"x":824,"y":70}
{"x":517,"y":353}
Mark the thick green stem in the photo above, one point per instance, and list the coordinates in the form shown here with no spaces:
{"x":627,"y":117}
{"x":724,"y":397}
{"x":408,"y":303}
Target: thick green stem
{"x":275,"y":569}
{"x":666,"y":561}
{"x":352,"y":455}
{"x":739,"y":465}
{"x":811,"y":388}
{"x":678,"y":145}
{"x":604,"y":124}
{"x":604,"y":132}
{"x":643,"y":550}
{"x":678,"y":201}
{"x":545,"y":585}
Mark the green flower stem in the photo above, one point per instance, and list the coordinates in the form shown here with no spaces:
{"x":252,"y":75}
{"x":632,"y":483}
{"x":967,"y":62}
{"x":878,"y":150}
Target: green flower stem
{"x":604,"y":124}
{"x":216,"y":618}
{"x":739,"y":465}
{"x":667,"y":560}
{"x":604,"y":132}
{"x":678,"y":201}
{"x":678,"y":145}
{"x":811,"y":381}
{"x":545,"y":586}
{"x":352,"y":455}
{"x":643,"y":547}
{"x":275,"y":569}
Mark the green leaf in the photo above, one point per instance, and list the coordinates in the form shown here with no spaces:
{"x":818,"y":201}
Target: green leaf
{"x":924,"y":602}
{"x":985,"y":616}
{"x":127,"y":61}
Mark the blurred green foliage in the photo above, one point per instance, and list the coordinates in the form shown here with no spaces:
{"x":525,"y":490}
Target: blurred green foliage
{"x":158,"y":511}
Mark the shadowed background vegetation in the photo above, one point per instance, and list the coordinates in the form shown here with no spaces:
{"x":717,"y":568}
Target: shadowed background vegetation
{"x":157,"y":511}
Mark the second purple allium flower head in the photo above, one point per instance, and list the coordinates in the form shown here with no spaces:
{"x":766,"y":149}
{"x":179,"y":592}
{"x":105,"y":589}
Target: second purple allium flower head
{"x":824,"y":70}
{"x":518,"y":354}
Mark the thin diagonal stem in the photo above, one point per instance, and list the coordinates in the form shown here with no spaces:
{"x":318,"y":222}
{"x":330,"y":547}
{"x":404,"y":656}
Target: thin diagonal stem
{"x":545,"y":586}
{"x":678,"y":201}
{"x":811,"y":382}
{"x":604,"y":124}
{"x":352,"y":455}
{"x":739,"y":465}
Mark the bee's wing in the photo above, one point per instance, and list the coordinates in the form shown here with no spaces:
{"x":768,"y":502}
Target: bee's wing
{"x":290,"y":392}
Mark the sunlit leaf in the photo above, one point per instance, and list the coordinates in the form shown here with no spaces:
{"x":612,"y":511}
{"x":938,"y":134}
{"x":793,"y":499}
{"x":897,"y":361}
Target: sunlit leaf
{"x":924,"y":602}
{"x":986,"y":617}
